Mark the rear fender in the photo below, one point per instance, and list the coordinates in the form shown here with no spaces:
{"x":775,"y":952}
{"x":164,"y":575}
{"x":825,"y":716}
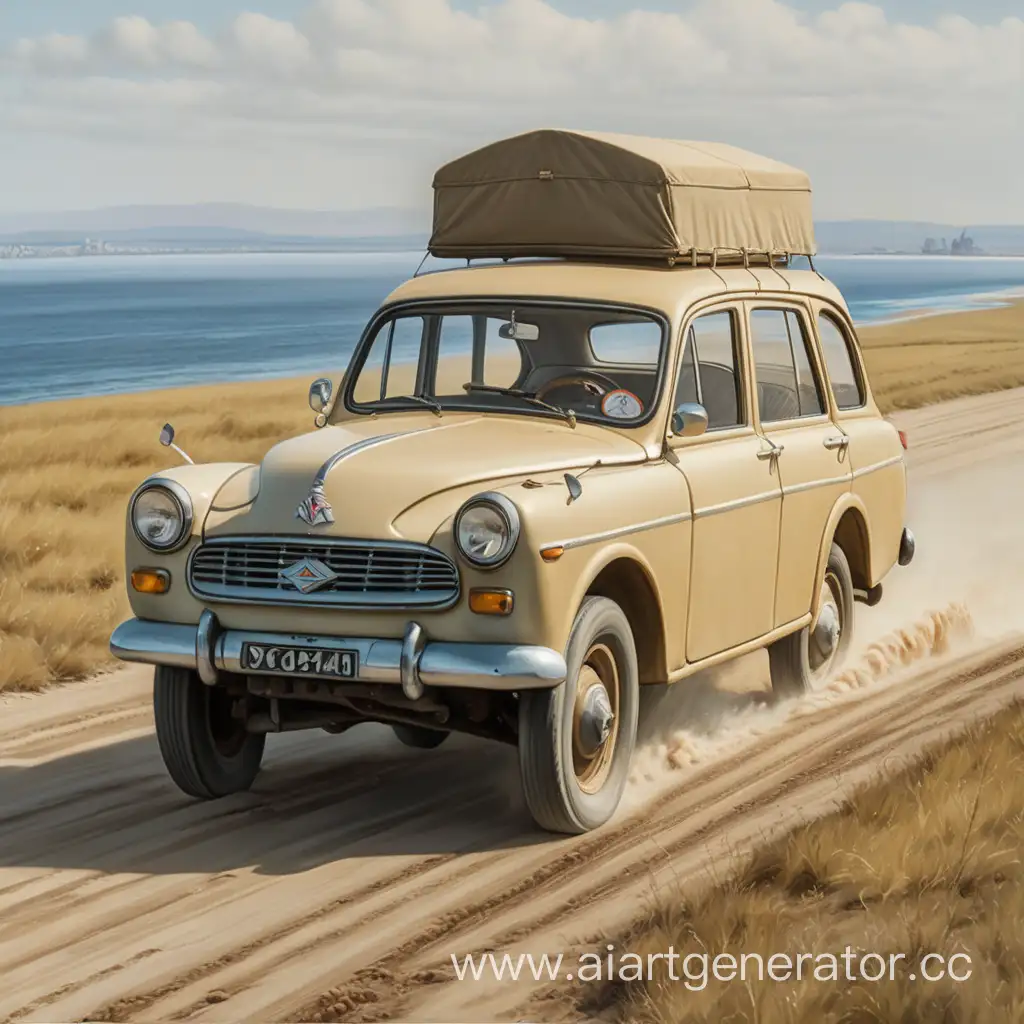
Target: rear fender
{"x":850,"y":516}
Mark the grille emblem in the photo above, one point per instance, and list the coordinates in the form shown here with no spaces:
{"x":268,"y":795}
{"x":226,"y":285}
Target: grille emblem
{"x":315,"y":509}
{"x":308,"y":575}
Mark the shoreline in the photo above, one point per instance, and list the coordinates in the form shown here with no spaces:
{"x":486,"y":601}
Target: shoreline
{"x":1010,"y":303}
{"x":975,"y":302}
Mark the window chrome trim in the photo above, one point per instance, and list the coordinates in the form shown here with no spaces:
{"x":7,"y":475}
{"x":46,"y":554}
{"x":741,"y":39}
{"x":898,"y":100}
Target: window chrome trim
{"x":624,"y":531}
{"x":230,"y":594}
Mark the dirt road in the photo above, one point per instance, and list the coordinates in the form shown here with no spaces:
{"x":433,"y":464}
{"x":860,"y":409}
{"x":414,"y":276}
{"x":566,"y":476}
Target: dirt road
{"x":341,"y":886}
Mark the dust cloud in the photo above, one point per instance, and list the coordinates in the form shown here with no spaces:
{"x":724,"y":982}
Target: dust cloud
{"x":962,"y":591}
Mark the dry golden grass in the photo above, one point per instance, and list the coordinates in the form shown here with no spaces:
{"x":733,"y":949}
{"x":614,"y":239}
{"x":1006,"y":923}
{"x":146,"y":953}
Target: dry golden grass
{"x":67,"y":470}
{"x":919,"y":362}
{"x":927,"y":862}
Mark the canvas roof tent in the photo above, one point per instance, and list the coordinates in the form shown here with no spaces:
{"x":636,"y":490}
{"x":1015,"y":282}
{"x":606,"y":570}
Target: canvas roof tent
{"x":565,"y":193}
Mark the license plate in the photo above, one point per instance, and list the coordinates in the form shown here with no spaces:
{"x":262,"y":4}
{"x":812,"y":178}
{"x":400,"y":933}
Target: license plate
{"x":299,"y":661}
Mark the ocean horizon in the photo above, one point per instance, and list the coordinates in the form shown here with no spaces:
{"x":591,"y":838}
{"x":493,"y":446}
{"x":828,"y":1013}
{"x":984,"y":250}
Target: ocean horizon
{"x":102,"y":325}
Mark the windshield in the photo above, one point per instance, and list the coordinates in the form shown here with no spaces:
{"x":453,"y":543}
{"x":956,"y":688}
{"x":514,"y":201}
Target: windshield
{"x":602,"y":364}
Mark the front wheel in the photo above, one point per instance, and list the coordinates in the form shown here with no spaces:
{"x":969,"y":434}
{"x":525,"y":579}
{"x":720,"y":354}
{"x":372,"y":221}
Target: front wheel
{"x":208,"y":752}
{"x":576,"y":741}
{"x":802,"y":661}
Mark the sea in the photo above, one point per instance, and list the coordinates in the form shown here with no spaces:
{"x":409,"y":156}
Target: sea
{"x":100,"y":325}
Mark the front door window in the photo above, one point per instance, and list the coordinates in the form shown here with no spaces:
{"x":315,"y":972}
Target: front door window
{"x":709,"y":374}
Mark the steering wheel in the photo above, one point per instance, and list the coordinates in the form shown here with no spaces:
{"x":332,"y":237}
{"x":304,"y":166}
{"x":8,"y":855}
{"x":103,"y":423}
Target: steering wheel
{"x":595,"y":383}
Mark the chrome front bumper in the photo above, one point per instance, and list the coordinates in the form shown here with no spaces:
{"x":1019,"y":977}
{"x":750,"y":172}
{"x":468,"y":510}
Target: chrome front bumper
{"x":412,"y":662}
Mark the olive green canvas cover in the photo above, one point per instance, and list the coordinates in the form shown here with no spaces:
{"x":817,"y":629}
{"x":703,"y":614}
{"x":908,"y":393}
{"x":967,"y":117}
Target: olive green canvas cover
{"x":569,"y":193}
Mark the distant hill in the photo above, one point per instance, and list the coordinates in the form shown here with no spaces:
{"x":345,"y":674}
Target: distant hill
{"x":236,"y":225}
{"x":209,"y":221}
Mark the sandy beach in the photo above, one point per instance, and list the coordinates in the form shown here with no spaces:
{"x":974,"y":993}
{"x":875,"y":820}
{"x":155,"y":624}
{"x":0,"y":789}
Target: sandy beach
{"x":68,"y":468}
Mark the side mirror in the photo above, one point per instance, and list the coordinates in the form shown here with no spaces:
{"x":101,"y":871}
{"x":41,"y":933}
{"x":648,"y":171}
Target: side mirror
{"x":690,"y":420}
{"x":167,"y":440}
{"x":320,"y":394}
{"x":575,"y":488}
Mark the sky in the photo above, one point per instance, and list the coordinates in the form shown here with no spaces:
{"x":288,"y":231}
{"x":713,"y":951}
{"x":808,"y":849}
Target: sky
{"x":899,"y":109}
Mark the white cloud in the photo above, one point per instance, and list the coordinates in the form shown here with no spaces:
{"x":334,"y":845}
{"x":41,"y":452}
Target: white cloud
{"x":851,"y":81}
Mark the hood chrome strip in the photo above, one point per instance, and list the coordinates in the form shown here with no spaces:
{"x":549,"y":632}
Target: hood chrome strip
{"x":354,"y":449}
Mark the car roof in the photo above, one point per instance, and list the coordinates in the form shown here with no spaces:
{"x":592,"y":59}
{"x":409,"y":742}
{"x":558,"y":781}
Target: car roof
{"x":671,"y":290}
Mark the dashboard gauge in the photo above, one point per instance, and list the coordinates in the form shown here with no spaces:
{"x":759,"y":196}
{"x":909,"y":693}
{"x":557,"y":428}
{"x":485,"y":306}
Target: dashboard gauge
{"x":622,"y":405}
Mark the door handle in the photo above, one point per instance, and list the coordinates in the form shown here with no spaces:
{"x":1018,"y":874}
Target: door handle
{"x":773,"y":453}
{"x":837,"y":443}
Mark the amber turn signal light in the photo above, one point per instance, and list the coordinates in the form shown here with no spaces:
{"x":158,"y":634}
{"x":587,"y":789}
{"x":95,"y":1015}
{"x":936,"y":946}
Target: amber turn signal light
{"x":552,"y":554}
{"x":151,"y":581}
{"x":491,"y":602}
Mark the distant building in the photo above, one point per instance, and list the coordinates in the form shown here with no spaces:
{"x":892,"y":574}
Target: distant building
{"x":962,"y":246}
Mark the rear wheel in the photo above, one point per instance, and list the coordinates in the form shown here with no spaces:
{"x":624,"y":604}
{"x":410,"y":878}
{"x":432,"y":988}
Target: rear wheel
{"x":803,"y":661}
{"x":207,"y":751}
{"x":576,"y":741}
{"x":418,"y":737}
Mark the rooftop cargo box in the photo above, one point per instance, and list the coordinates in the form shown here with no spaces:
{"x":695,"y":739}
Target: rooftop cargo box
{"x":563,"y":193}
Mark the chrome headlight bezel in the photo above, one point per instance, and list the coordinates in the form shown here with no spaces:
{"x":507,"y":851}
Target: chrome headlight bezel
{"x":181,"y":498}
{"x":508,"y":513}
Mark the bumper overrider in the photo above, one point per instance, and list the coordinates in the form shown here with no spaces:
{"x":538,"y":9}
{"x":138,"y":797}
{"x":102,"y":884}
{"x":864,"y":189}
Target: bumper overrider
{"x":412,"y":662}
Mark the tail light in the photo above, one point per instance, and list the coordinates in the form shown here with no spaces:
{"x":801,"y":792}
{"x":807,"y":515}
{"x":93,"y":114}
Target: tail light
{"x":903,"y":438}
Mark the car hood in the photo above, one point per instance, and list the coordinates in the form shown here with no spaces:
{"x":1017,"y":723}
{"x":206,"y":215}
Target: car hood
{"x":371,"y":471}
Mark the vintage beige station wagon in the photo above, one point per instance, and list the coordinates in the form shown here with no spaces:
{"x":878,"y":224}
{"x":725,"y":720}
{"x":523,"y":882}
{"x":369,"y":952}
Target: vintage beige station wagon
{"x":630,"y":442}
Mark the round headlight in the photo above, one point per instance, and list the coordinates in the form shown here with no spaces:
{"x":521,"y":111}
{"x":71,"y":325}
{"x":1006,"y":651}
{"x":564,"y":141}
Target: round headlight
{"x":486,"y":530}
{"x":162,"y":516}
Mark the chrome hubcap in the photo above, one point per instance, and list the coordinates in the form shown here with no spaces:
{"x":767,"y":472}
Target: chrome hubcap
{"x":827,"y":631}
{"x":596,"y":720}
{"x":595,"y":723}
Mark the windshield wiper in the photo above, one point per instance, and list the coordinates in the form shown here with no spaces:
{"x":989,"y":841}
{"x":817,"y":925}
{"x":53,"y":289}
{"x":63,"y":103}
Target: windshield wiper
{"x":567,"y":414}
{"x":435,"y":407}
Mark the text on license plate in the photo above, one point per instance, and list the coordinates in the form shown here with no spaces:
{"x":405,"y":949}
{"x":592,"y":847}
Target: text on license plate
{"x":300,"y":661}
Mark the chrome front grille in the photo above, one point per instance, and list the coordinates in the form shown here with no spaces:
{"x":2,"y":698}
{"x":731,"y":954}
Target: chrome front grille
{"x":368,"y":574}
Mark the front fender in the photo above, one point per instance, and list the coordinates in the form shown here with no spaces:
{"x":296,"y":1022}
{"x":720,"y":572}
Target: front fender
{"x":203,"y":483}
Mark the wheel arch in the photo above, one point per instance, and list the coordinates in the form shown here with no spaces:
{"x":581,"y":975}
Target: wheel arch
{"x":848,"y":526}
{"x":624,"y":577}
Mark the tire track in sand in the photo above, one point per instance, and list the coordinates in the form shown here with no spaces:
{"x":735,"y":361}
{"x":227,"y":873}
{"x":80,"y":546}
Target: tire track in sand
{"x":517,"y":895}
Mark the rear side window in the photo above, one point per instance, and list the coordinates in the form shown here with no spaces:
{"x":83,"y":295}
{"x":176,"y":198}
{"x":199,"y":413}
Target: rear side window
{"x":835,"y":346}
{"x":787,"y":387}
{"x":709,"y":373}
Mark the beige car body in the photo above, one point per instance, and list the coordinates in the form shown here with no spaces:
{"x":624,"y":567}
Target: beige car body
{"x":656,"y":527}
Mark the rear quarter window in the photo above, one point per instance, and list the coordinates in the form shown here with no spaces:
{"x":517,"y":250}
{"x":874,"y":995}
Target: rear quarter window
{"x":837,"y":349}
